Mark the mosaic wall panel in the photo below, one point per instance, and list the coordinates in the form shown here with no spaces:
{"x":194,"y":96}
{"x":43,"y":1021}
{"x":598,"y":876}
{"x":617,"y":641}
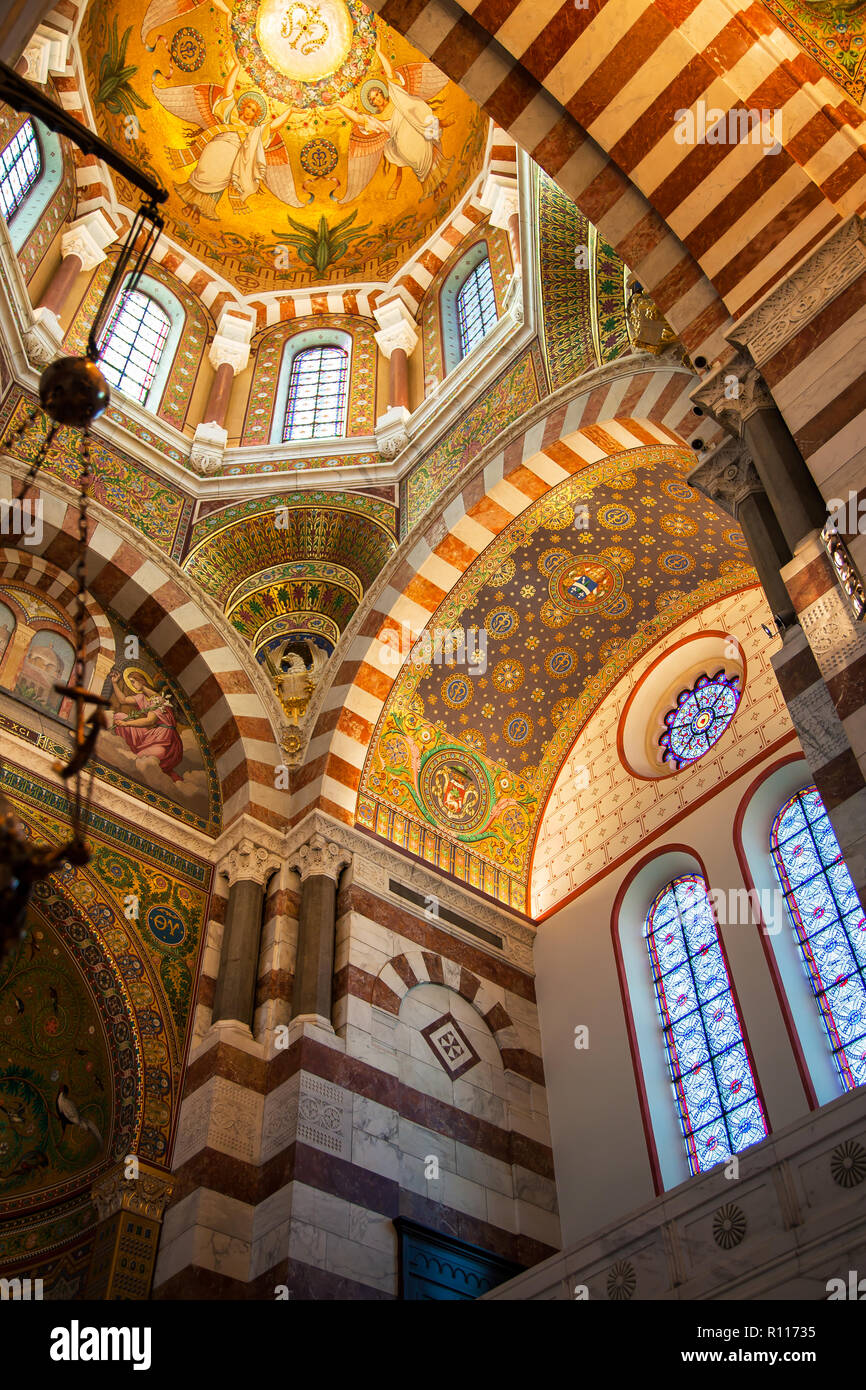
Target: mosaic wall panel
{"x":379,"y":510}
{"x":121,"y":484}
{"x":581,"y":283}
{"x":430,"y":315}
{"x":516,"y":391}
{"x":569,"y":595}
{"x":197,"y":328}
{"x":94,"y":1012}
{"x":834,"y":35}
{"x":361,"y":417}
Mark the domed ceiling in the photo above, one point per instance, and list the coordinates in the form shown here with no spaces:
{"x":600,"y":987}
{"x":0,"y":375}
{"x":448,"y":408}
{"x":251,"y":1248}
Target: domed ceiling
{"x":569,"y":595}
{"x":301,"y":141}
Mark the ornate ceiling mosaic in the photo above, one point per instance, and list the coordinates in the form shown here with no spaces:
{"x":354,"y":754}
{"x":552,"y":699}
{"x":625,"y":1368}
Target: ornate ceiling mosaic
{"x":302,"y":141}
{"x":833,"y":32}
{"x":569,"y":596}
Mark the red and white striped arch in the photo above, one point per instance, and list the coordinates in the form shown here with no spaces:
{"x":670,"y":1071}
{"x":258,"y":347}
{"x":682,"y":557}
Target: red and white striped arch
{"x":25,"y":567}
{"x":628,"y":412}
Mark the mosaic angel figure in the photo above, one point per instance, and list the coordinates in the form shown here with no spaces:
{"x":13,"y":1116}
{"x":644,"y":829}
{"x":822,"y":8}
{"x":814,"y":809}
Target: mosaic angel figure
{"x":240,"y":147}
{"x":400,"y":128}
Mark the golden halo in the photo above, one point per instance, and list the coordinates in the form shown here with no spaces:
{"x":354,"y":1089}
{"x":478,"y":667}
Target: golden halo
{"x":136,"y":671}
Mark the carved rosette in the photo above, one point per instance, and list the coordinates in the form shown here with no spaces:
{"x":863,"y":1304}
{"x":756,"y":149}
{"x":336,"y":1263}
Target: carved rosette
{"x":727,"y":477}
{"x":146,"y":1195}
{"x":734,"y":392}
{"x":249,"y":861}
{"x":320,"y":856}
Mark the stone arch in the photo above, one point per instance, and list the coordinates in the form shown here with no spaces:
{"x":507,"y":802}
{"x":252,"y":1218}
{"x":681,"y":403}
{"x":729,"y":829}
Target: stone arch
{"x":626,"y":410}
{"x":418,"y":967}
{"x":670,"y":213}
{"x":99,"y":640}
{"x":191,"y":641}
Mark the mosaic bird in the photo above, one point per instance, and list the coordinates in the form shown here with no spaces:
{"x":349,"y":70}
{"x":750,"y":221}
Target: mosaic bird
{"x":71,"y":1115}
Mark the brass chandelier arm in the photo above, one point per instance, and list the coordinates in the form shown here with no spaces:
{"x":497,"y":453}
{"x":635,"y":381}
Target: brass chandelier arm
{"x":23,"y":96}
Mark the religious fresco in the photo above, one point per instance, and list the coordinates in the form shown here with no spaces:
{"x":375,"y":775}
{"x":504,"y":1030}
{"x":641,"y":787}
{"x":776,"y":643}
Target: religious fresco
{"x":153,"y":746}
{"x":569,"y":595}
{"x":94,"y":1010}
{"x":833,"y":32}
{"x":302,"y":141}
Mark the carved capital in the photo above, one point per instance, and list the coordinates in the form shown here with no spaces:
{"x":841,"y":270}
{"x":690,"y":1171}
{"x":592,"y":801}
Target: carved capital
{"x":727,"y":476}
{"x":208,"y":447}
{"x":397,"y":328}
{"x":87,"y":239}
{"x":320,"y":856}
{"x":811,"y":285}
{"x":225,"y":351}
{"x":392,"y":436}
{"x":42,"y":338}
{"x":500,"y":195}
{"x":250,"y":862}
{"x":734,"y":392}
{"x":145,"y":1195}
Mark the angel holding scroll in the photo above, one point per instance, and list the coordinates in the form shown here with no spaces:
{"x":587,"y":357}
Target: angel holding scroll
{"x":238,"y":150}
{"x":400,"y":127}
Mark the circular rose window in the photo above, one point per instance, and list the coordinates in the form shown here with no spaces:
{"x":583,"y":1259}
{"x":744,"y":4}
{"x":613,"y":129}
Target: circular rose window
{"x":699,"y":718}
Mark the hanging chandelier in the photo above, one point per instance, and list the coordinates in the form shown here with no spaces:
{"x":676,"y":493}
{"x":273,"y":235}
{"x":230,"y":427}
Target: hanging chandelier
{"x":73,"y":393}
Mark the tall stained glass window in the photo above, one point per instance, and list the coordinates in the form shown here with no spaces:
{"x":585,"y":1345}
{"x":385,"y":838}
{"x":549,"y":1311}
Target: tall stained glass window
{"x":132,"y":344}
{"x":318,"y":394}
{"x":829,"y":923}
{"x":699,"y":718}
{"x":476,"y":307}
{"x":717,"y":1101}
{"x":20,"y":167}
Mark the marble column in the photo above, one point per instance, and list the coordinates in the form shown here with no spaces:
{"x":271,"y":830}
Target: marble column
{"x":82,"y":247}
{"x":397,"y":339}
{"x":247,"y":867}
{"x":729,"y":478}
{"x":319,"y":863}
{"x":229,"y":354}
{"x":737,"y":396}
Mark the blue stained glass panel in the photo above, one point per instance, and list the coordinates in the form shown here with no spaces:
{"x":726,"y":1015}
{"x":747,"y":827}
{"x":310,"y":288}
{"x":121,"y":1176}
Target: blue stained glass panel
{"x":700,"y":716}
{"x":713,"y":1084}
{"x":829,"y":925}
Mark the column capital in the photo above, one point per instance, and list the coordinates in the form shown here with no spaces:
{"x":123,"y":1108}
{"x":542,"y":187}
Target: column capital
{"x":397,"y":328}
{"x":319,"y":855}
{"x":500,"y":194}
{"x":728,"y":476}
{"x":733,"y":392}
{"x":47,"y":51}
{"x":229,"y":352}
{"x":87,"y":238}
{"x":145,"y":1195}
{"x":249,"y":861}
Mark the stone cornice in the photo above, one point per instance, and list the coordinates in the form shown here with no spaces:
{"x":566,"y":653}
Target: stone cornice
{"x":814,"y":283}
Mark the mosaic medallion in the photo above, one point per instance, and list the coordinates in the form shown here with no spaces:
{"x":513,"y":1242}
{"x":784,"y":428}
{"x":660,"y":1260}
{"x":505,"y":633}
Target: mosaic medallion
{"x":457,"y":691}
{"x":585,"y":585}
{"x":677,"y":524}
{"x":676,"y":562}
{"x":187,"y":50}
{"x":677,"y":491}
{"x":455,"y":790}
{"x":319,"y":158}
{"x":508,"y":675}
{"x":166,"y":925}
{"x":518,"y":730}
{"x":560,"y":663}
{"x":501,"y":622}
{"x":616,"y":517}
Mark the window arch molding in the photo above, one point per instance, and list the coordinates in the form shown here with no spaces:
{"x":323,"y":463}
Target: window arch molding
{"x":292,"y":348}
{"x":648,"y":877}
{"x":448,"y":296}
{"x":171,"y":306}
{"x":27,"y":215}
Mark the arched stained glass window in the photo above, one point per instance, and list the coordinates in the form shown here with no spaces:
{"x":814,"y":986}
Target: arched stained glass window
{"x":20,"y":167}
{"x":132,"y":344}
{"x":318,"y":394}
{"x":717,"y":1101}
{"x":829,"y":923}
{"x":699,"y":718}
{"x":476,"y":306}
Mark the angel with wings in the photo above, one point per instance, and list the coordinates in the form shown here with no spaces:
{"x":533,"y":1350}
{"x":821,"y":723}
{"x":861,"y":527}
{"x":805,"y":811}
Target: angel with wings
{"x":400,"y":128}
{"x":239,"y":149}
